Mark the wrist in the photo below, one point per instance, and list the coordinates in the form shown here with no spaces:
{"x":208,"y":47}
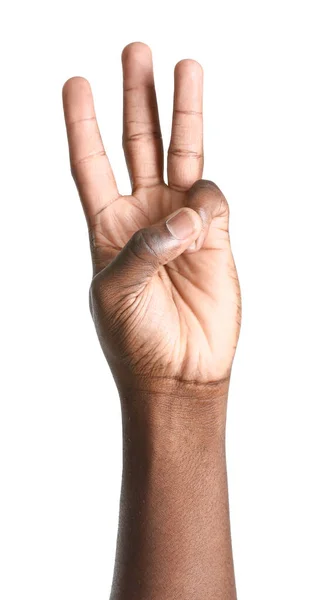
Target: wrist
{"x":166,"y":407}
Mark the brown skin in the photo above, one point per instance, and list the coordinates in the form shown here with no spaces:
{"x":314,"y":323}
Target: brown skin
{"x":165,"y":300}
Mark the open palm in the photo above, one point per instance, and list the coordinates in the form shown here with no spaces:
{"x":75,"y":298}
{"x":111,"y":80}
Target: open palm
{"x":162,"y":308}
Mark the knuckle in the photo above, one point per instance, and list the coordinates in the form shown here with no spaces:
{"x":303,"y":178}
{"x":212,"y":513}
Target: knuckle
{"x":143,"y":243}
{"x":90,"y":302}
{"x":221,"y":206}
{"x":97,"y":291}
{"x":137,"y":240}
{"x":103,"y":296}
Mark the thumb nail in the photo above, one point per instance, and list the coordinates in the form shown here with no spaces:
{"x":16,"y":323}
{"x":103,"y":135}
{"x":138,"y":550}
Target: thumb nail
{"x":181,"y":225}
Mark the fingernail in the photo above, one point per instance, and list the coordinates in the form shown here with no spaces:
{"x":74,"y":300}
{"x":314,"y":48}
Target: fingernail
{"x":180,"y":225}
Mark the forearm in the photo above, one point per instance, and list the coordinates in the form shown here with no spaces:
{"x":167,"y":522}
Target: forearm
{"x":174,"y":534}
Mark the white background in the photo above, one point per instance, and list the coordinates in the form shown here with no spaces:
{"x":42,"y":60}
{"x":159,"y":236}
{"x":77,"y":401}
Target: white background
{"x":60,"y":438}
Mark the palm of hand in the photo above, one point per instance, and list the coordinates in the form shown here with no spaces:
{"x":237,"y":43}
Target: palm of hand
{"x":184,"y":322}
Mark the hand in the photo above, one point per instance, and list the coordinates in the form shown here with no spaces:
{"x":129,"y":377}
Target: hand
{"x":165,"y":296}
{"x":165,"y":300}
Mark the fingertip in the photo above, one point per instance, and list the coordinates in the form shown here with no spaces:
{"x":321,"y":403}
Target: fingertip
{"x":77,"y":100}
{"x":75,"y":83}
{"x":136,"y":50}
{"x":137,"y":66}
{"x":190,"y":68}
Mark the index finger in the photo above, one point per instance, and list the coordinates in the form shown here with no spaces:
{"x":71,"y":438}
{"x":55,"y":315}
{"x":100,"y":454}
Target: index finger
{"x":90,"y":166}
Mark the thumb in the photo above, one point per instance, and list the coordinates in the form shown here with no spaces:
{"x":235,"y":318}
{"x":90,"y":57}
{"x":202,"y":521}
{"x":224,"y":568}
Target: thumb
{"x":151,"y":247}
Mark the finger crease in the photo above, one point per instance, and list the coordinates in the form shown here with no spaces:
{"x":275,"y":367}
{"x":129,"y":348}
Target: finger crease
{"x":138,"y":122}
{"x":139,"y":87}
{"x":177,"y":187}
{"x":184,"y":153}
{"x":193,"y":113}
{"x":77,"y":121}
{"x":89,"y":157}
{"x":143,"y":135}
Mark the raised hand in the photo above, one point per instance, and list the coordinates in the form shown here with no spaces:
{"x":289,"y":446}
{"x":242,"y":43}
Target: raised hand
{"x":165,"y":295}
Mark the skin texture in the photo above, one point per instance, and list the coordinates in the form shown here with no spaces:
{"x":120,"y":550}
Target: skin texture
{"x":165,"y":301}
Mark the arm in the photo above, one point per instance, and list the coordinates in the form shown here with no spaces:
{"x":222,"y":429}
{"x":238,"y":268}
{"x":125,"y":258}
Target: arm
{"x":174,"y":535}
{"x":165,"y":301}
